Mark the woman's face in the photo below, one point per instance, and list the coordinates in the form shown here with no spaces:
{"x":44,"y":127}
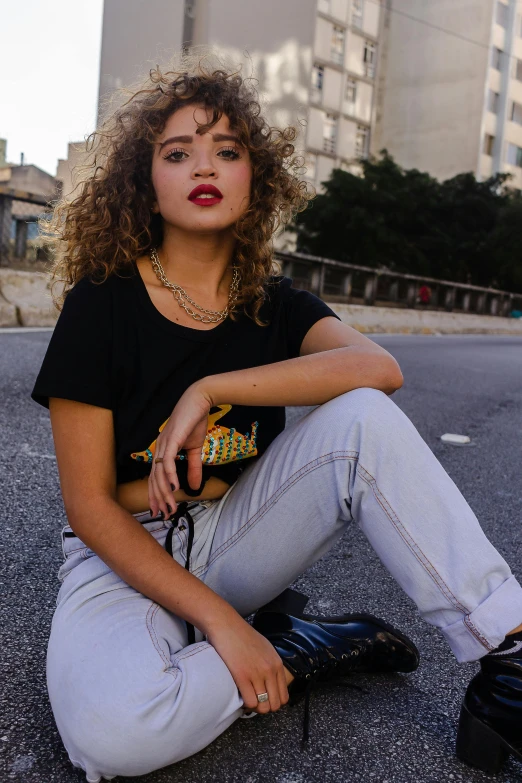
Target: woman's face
{"x":183,"y":160}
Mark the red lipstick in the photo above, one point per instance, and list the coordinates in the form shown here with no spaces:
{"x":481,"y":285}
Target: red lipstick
{"x":197,"y":197}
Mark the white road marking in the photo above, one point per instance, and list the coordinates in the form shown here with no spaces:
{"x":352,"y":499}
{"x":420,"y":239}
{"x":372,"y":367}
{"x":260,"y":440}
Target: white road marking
{"x":26,"y":329}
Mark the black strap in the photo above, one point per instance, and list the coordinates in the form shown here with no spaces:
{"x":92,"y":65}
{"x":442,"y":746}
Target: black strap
{"x":183,"y":512}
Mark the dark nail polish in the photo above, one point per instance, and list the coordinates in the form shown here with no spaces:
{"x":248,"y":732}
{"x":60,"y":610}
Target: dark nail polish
{"x":161,"y":514}
{"x":172,"y":486}
{"x":150,"y":512}
{"x":169,"y":508}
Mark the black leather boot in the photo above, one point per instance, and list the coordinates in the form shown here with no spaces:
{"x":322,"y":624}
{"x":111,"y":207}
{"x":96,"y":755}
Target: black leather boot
{"x":320,"y":650}
{"x":490,"y":725}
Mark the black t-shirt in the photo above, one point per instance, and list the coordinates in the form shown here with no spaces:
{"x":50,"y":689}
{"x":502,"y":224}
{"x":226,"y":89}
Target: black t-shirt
{"x":111,"y":347}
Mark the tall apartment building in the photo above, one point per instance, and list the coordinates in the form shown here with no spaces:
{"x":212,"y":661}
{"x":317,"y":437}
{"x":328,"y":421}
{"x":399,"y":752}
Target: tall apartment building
{"x":449,"y":94}
{"x":315,"y":61}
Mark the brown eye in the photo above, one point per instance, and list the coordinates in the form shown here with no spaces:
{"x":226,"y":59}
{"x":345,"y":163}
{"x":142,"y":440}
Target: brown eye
{"x":171,"y":155}
{"x":235,"y":154}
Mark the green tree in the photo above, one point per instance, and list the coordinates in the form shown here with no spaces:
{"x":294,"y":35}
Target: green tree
{"x":461,"y":229}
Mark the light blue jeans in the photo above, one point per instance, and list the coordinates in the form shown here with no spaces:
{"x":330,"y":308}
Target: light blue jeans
{"x":130,"y":696}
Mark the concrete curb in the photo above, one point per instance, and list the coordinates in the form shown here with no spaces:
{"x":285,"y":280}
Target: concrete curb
{"x":394,"y":320}
{"x":25,"y":300}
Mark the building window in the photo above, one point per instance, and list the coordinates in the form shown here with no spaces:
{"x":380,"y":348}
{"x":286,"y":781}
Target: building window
{"x":362,"y":139}
{"x":514,"y":155}
{"x":337,"y":47}
{"x":516,"y":113}
{"x":350,"y":91}
{"x":311,"y":165}
{"x":324,"y":6}
{"x":493,"y":99}
{"x":496,"y":58}
{"x":317,"y":83}
{"x":369,"y":59}
{"x":502,"y":14}
{"x":329,"y":132}
{"x":488,"y":144}
{"x":518,"y":70}
{"x":357,"y":13}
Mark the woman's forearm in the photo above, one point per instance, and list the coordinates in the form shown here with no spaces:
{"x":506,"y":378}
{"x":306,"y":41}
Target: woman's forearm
{"x":134,"y":495}
{"x":307,"y":380}
{"x":132,"y":553}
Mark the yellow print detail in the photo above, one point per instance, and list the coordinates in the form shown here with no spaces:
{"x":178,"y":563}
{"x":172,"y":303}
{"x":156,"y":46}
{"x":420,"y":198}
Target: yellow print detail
{"x":221,"y":444}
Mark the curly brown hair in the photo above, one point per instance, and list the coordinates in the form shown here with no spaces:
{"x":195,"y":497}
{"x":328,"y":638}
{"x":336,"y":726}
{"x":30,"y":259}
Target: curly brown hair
{"x":107,"y":223}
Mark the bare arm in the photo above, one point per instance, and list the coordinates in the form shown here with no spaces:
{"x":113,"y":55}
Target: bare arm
{"x":334,"y":359}
{"x":85,"y":452}
{"x":134,"y":495}
{"x":87,"y":479}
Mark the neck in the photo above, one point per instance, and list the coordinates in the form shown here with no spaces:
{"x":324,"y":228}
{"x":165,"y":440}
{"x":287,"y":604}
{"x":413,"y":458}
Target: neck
{"x":201,"y":262}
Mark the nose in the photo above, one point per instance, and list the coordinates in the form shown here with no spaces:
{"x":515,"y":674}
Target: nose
{"x":204,"y":167}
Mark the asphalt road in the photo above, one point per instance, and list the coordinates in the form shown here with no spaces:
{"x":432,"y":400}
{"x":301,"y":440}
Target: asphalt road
{"x":404,"y":728}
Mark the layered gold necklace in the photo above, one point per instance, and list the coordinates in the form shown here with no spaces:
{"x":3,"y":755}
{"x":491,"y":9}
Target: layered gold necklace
{"x":183,"y":299}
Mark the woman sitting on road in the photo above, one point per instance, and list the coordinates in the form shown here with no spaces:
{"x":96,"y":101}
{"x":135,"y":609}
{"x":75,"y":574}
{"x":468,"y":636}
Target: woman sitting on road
{"x":190,"y":506}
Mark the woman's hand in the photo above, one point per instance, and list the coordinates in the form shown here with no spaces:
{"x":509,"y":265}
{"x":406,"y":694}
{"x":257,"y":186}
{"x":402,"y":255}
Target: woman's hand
{"x":253,"y":663}
{"x":185,"y":429}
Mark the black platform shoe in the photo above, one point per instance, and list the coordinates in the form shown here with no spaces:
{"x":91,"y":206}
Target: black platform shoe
{"x":320,"y":650}
{"x":490,"y":725}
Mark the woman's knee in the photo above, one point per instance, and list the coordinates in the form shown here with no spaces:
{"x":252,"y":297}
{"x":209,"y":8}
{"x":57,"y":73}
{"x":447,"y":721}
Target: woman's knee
{"x":362,"y":404}
{"x":122,"y":732}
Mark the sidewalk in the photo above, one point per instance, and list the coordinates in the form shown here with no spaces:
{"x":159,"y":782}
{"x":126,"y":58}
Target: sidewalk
{"x":25,"y":300}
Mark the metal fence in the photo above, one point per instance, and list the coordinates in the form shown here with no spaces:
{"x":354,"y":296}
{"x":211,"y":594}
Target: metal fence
{"x":336,"y":281}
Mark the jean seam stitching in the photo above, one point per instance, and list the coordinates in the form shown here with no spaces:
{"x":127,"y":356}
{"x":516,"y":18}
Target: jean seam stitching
{"x":149,"y":622}
{"x":78,"y":549}
{"x":303,"y":471}
{"x":474,"y":630}
{"x":383,"y":502}
{"x":193,"y":651}
{"x":410,"y":542}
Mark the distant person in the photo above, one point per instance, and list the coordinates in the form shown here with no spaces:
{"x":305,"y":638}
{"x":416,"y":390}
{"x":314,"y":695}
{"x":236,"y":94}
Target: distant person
{"x":189,"y":504}
{"x":424,"y":295}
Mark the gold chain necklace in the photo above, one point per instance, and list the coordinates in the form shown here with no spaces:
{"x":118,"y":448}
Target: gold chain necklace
{"x":210,"y":316}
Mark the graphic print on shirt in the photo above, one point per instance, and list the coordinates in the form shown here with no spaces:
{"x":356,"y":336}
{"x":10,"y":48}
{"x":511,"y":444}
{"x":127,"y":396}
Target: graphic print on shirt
{"x":221,"y":444}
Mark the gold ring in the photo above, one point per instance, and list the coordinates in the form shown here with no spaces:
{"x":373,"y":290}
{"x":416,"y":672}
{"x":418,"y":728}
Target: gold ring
{"x":158,"y":459}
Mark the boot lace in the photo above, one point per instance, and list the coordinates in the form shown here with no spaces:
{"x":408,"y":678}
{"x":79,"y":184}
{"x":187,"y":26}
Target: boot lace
{"x":329,"y":665}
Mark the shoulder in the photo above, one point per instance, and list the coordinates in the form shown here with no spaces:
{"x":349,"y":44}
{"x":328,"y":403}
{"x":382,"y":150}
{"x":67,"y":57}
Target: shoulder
{"x":91,"y":291}
{"x":278,"y":288}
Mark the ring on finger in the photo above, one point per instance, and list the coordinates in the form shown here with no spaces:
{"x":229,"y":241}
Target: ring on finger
{"x":261,"y":697}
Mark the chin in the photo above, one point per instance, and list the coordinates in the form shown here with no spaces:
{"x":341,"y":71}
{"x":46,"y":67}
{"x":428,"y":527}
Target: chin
{"x":202,"y":225}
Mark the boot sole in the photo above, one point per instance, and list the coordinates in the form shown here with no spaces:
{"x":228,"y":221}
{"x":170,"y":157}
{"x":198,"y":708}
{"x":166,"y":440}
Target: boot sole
{"x":480,"y":746}
{"x":377,"y":620}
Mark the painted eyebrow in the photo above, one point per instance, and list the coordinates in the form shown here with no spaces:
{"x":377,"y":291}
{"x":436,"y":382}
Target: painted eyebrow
{"x":188,"y":139}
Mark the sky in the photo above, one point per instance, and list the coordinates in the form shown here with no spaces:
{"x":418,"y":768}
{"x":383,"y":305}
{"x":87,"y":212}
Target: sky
{"x":49,"y":63}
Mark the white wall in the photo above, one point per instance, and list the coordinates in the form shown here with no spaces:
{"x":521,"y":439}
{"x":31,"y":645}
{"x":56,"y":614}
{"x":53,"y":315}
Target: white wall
{"x":137,"y":35}
{"x":323,"y":38}
{"x":353,"y":59}
{"x":371,"y":13}
{"x":432,"y":85}
{"x":332,"y":88}
{"x":347,"y":132}
{"x":314,"y":136}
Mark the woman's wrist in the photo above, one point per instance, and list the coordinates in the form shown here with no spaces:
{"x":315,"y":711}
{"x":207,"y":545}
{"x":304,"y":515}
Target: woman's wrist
{"x":221,"y":614}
